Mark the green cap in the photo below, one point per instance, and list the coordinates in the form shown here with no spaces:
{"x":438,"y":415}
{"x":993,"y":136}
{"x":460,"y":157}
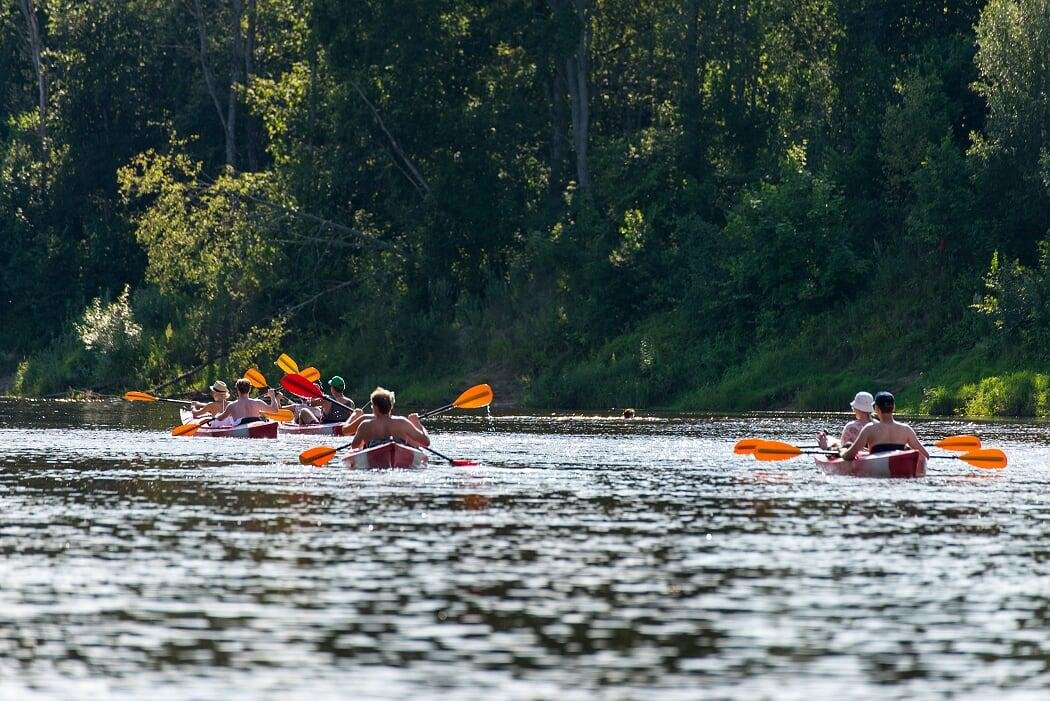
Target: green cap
{"x":337,"y":382}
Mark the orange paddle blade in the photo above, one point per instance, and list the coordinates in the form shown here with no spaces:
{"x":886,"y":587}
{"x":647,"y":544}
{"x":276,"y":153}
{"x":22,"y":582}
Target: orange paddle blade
{"x":965,"y":442}
{"x":279,"y":415}
{"x":312,"y":374}
{"x":256,"y":378}
{"x":987,"y":459}
{"x":287,"y":364}
{"x":185,"y":429}
{"x":474,"y":398}
{"x":317,"y":456}
{"x":139,"y":397}
{"x":768,"y":451}
{"x":747,"y":446}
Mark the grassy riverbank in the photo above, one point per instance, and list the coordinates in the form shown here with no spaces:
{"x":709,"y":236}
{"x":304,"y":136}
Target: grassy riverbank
{"x":663,"y":364}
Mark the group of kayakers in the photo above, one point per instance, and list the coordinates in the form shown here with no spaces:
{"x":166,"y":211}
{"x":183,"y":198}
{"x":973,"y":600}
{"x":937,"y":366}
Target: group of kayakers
{"x":874,"y":429}
{"x":379,"y":426}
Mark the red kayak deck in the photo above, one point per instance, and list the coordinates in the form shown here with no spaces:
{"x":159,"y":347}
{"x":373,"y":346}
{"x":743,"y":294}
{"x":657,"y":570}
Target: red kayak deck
{"x":385,"y":456}
{"x":895,"y":464}
{"x":333,"y":429}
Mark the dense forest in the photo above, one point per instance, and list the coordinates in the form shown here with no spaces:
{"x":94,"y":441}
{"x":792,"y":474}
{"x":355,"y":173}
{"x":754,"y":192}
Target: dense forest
{"x":705,"y":204}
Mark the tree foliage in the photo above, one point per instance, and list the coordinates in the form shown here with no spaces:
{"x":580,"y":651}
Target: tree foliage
{"x":535,"y":186}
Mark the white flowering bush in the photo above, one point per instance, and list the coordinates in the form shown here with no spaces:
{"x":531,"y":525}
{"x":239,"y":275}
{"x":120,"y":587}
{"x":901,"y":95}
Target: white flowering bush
{"x":108,"y":329}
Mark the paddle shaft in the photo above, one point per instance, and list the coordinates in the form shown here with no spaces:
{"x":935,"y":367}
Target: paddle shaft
{"x":443,"y":457}
{"x":435,"y":412}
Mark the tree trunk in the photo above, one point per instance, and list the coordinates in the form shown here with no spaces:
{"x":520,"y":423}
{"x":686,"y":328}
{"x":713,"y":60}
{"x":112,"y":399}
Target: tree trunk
{"x":236,"y":81}
{"x":251,"y":130}
{"x":578,"y":70}
{"x":209,"y":80}
{"x":693,"y":150}
{"x":556,"y":88}
{"x":36,"y":51}
{"x":576,"y":73}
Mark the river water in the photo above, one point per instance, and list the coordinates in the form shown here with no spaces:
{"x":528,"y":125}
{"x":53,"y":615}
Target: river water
{"x":586,"y":557}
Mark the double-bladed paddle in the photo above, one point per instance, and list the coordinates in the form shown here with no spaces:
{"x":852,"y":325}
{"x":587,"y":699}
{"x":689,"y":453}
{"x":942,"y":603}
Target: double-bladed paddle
{"x":747,"y":446}
{"x":290,"y":367}
{"x":285,"y":362}
{"x":147,"y":397}
{"x":302,"y":387}
{"x":984,"y":458}
{"x":474,"y":398}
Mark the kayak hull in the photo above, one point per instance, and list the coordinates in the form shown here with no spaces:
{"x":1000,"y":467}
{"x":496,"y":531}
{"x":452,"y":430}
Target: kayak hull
{"x":895,"y":464}
{"x":386,"y":456}
{"x":290,"y":429}
{"x":255,"y":429}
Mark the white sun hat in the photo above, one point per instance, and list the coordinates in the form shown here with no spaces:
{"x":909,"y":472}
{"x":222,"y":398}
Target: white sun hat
{"x":863,"y":402}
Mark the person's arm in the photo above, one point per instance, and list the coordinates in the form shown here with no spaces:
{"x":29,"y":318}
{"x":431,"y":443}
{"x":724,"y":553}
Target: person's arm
{"x":351,"y":424}
{"x":913,"y":442}
{"x":224,"y":414}
{"x":862,"y":440}
{"x":361,"y":435}
{"x":417,"y":433}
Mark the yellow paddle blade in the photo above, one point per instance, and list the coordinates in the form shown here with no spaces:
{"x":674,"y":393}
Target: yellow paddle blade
{"x":474,"y":398}
{"x":289,"y":366}
{"x":768,"y":451}
{"x":139,"y":397}
{"x":185,"y":429}
{"x":279,"y":415}
{"x":959,"y":443}
{"x":747,"y":446}
{"x":256,"y":378}
{"x":987,"y":459}
{"x":316,"y":456}
{"x":312,"y":374}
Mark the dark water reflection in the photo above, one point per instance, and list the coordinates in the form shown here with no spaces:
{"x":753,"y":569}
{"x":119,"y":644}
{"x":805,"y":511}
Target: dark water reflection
{"x":588,"y":557}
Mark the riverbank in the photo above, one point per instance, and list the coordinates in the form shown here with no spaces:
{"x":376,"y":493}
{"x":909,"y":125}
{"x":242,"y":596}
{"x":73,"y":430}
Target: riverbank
{"x":657,"y":367}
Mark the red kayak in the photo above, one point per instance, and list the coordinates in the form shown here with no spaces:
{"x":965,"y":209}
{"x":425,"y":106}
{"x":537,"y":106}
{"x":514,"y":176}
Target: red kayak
{"x":386,"y":455}
{"x":255,"y":429}
{"x":333,"y":429}
{"x":898,"y":464}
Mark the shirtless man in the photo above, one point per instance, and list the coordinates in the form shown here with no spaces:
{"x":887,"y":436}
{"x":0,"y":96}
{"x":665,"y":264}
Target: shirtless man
{"x":383,"y":425}
{"x":885,"y":434}
{"x":246,"y":408}
{"x":862,"y":405}
{"x":220,"y":398}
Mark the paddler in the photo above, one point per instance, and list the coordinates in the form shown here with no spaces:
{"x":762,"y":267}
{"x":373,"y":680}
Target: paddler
{"x":220,"y":398}
{"x":885,"y":434}
{"x":246,"y":409}
{"x":863,"y":404}
{"x":383,"y":426}
{"x":326,"y":412}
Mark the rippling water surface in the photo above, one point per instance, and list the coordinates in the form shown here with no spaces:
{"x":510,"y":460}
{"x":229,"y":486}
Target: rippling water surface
{"x":587,"y":557}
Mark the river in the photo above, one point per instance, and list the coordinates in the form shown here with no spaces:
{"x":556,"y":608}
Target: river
{"x":586,"y":557}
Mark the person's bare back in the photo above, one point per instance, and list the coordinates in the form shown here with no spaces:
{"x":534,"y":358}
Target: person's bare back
{"x":885,"y":434}
{"x":384,"y":425}
{"x":245,"y":407}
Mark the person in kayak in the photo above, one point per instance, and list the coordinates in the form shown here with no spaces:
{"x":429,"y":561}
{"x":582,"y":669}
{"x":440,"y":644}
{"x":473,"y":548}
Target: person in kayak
{"x":220,"y":399}
{"x":246,"y":409}
{"x":885,"y":434}
{"x":862,"y":405}
{"x":326,"y":412}
{"x":383,"y":426}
